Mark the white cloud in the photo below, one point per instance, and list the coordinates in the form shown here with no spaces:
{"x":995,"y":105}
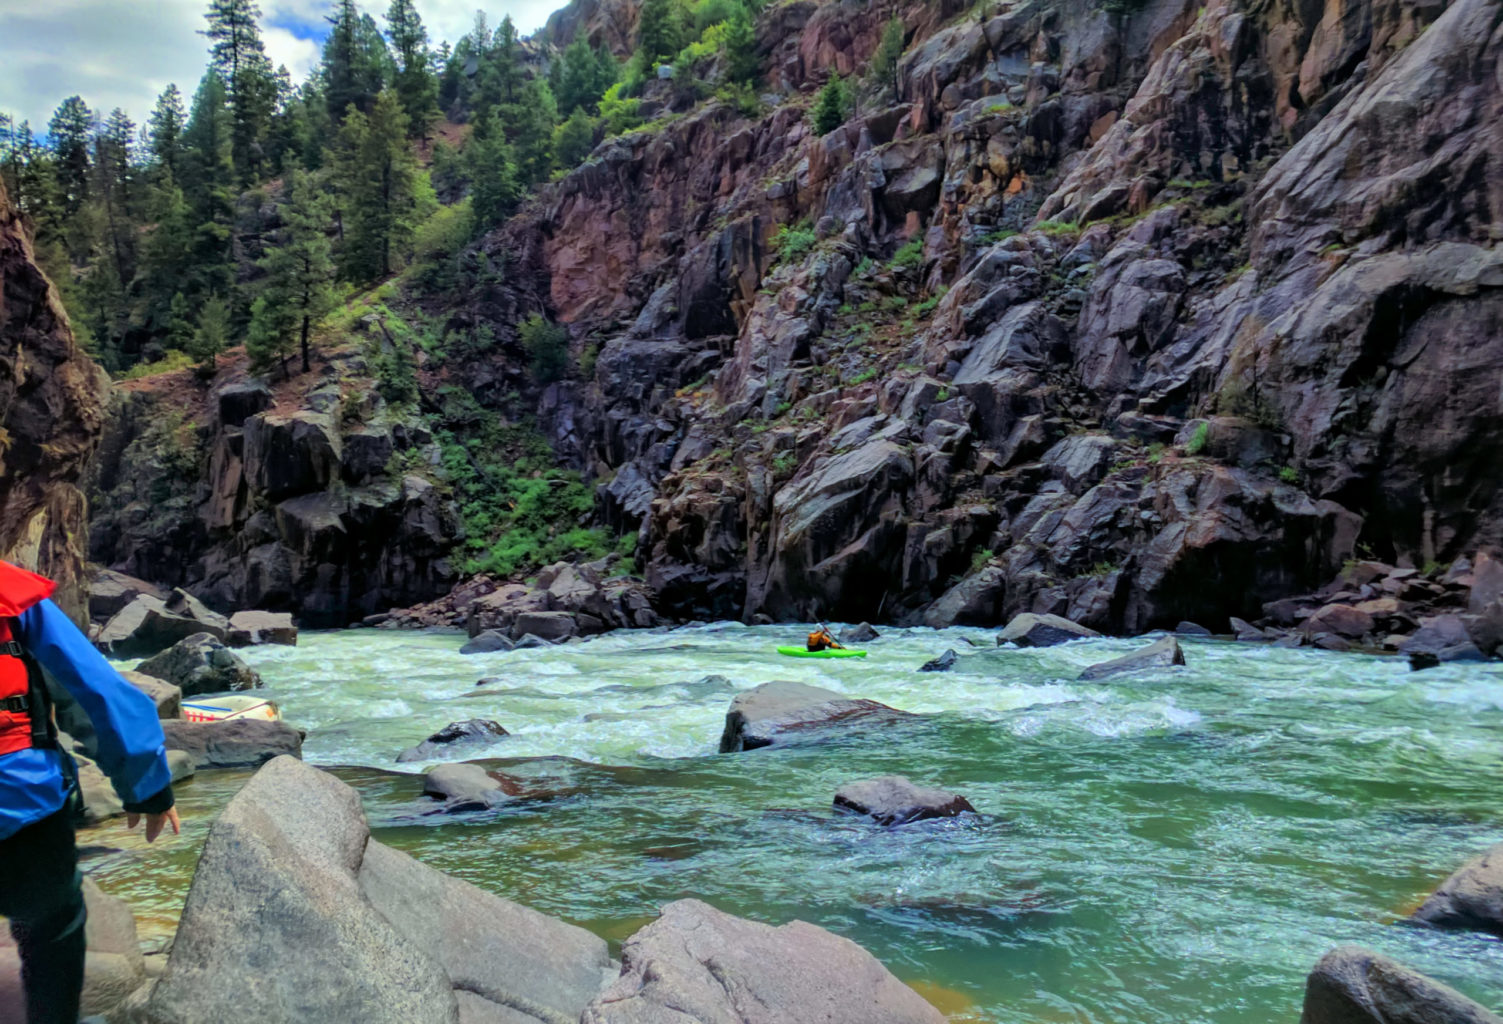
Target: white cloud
{"x":116,"y":53}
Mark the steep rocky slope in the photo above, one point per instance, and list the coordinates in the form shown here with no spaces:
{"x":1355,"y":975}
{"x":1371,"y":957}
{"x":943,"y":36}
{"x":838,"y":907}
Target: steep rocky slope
{"x":1130,"y":315}
{"x":51,"y":418}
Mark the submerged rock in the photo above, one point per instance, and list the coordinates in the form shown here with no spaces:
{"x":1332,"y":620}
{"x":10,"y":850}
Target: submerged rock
{"x":1470,"y":899}
{"x":1034,"y":630}
{"x":488,"y":642}
{"x":695,"y":963}
{"x":294,"y":905}
{"x":236,"y":743}
{"x":1162,"y":653}
{"x":1192,"y":629}
{"x":860,"y":634}
{"x":473,"y":732}
{"x":469,"y":787}
{"x":943,"y":663}
{"x":893,"y":800}
{"x":780,"y":711}
{"x":199,"y":664}
{"x":1351,"y":985}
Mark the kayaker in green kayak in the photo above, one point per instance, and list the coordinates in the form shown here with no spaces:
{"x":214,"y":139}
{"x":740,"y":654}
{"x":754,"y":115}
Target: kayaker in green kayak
{"x":822,"y":640}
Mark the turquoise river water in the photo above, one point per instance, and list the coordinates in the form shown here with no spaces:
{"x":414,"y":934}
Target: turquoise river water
{"x":1174,"y":846}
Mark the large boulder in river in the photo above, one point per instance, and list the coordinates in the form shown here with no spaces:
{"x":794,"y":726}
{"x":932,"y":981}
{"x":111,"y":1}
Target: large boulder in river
{"x":296,"y":914}
{"x":1031,"y":629}
{"x":201,"y":663}
{"x":113,"y":965}
{"x":1472,"y":898}
{"x":696,"y":963}
{"x":145,"y":626}
{"x":1351,"y":985}
{"x":111,"y":591}
{"x":488,"y":642}
{"x":248,"y":629}
{"x":1162,"y":653}
{"x":472,"y":733}
{"x":469,"y":787}
{"x":780,"y":711}
{"x":235,"y":743}
{"x":893,"y":800}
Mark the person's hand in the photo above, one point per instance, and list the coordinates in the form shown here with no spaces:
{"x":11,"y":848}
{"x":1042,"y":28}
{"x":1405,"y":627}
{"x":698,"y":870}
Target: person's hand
{"x":156,"y":822}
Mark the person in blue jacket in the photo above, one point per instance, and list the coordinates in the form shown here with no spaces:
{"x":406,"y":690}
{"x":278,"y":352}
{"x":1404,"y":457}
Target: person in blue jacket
{"x":40,"y":887}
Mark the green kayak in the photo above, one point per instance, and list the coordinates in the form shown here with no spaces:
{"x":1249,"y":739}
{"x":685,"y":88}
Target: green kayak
{"x":804,"y":652}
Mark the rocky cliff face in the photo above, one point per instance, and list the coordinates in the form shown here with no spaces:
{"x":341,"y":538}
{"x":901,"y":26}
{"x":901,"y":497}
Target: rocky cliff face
{"x":1130,"y":315}
{"x":51,"y":418}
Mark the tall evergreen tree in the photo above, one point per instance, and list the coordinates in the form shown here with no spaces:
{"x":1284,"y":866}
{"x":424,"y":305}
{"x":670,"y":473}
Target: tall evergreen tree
{"x":741,"y":60}
{"x":355,"y":62}
{"x":209,"y":186}
{"x":71,"y":128}
{"x":583,"y":74}
{"x":884,"y":68}
{"x":377,"y":175}
{"x":574,"y":139}
{"x":239,"y":56}
{"x":165,"y":130}
{"x":829,"y":110}
{"x":297,"y":291}
{"x":529,"y":128}
{"x":112,"y":186}
{"x":212,"y":335}
{"x":658,"y":30}
{"x":415,"y":83}
{"x":494,"y":187}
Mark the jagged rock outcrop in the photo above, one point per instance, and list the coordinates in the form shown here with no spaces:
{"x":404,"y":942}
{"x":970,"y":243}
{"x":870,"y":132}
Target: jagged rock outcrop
{"x":51,"y":420}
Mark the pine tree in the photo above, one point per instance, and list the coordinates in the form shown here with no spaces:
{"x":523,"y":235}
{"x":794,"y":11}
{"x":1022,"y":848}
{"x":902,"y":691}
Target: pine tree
{"x":297,"y":291}
{"x":355,"y":62}
{"x":828,"y":112}
{"x":70,"y":130}
{"x":167,"y":259}
{"x":240,"y":58}
{"x":377,"y":176}
{"x":10,"y":165}
{"x":209,"y":186}
{"x":658,"y":30}
{"x":165,"y":129}
{"x":179,"y":326}
{"x":884,"y":69}
{"x":37,"y":194}
{"x":415,"y":83}
{"x":574,"y":140}
{"x":494,"y":188}
{"x":583,"y":74}
{"x":112,"y":185}
{"x":212,"y":335}
{"x":741,"y":59}
{"x":529,"y":128}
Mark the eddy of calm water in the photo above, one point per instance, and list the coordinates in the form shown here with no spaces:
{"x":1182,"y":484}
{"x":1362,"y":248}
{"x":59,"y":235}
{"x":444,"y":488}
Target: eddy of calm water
{"x":1172,"y":846}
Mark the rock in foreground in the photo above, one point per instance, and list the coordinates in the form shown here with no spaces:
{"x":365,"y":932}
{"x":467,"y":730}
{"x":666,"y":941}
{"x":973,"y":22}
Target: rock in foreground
{"x":893,"y":800}
{"x":780,"y":711}
{"x":1162,"y":653}
{"x":201,"y":663}
{"x":1351,"y":985}
{"x":1471,"y":899}
{"x":236,"y":743}
{"x":1033,"y":630}
{"x":696,"y":963}
{"x":472,"y":733}
{"x":297,"y":915}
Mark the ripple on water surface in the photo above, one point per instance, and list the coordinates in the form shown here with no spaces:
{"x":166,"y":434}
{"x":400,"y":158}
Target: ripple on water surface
{"x":1179,"y":845}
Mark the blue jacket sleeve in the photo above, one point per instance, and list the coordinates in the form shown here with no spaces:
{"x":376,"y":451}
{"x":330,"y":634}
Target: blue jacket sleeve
{"x":131,"y":746}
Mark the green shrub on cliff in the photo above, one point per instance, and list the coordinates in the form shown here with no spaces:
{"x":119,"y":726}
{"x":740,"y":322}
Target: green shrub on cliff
{"x":1198,"y":440}
{"x":830,"y":107}
{"x":547,"y":346}
{"x":793,"y":243}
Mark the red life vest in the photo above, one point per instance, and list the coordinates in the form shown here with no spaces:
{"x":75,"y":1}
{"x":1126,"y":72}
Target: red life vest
{"x":23,"y":712}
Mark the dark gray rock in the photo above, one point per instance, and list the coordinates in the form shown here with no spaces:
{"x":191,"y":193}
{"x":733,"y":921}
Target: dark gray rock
{"x":782,"y":711}
{"x":529,"y":640}
{"x":1031,"y":629}
{"x":145,"y":627}
{"x":182,"y":603}
{"x":471,"y":733}
{"x":240,"y":400}
{"x":893,"y":800}
{"x":553,"y":626}
{"x":111,"y":591}
{"x":1471,"y":899}
{"x":1162,"y":653}
{"x":1246,"y":631}
{"x":1487,"y":583}
{"x":695,"y":963}
{"x":248,"y":629}
{"x":488,"y":642}
{"x":1192,"y":629}
{"x":236,"y":743}
{"x":860,"y":634}
{"x":943,"y":663}
{"x":201,"y":663}
{"x":1423,"y":659}
{"x":1351,"y":985}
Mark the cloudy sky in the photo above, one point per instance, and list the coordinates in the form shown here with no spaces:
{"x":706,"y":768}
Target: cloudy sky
{"x":123,"y":53}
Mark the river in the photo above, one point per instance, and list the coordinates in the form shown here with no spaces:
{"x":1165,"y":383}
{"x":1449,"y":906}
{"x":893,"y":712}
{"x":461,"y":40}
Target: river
{"x":1177,"y":846}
